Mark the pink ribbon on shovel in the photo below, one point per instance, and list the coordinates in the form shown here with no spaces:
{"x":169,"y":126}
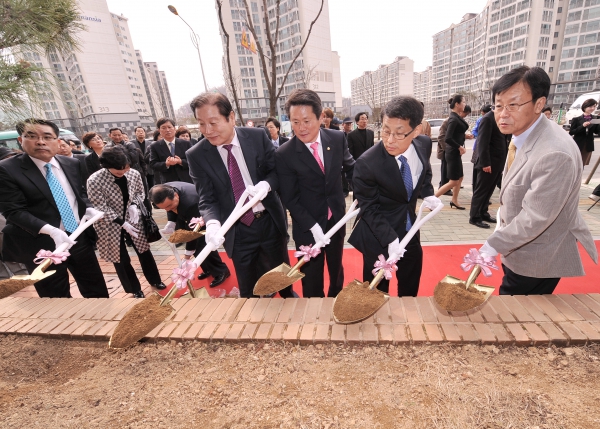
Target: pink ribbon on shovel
{"x":56,"y":258}
{"x":307,"y":252}
{"x":182,"y":274}
{"x":387,"y":267}
{"x":195,"y":221}
{"x":474,"y":258}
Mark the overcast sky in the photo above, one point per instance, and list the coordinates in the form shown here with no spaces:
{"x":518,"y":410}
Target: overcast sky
{"x":364,"y":33}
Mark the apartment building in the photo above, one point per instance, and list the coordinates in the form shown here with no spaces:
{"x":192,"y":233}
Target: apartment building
{"x":422,"y":86}
{"x":317,"y":67}
{"x":376,"y":88}
{"x":101,"y":86}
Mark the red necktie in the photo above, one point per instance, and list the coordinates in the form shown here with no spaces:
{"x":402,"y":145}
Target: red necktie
{"x":237,"y":183}
{"x":315,"y":151}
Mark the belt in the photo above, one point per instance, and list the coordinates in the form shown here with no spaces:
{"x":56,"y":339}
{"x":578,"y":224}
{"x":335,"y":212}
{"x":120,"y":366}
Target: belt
{"x":258,"y":215}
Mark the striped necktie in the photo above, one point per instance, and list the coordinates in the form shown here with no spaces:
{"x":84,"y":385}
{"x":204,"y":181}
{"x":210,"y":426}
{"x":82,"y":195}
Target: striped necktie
{"x":408,"y":184}
{"x":64,"y":208}
{"x":237,"y":183}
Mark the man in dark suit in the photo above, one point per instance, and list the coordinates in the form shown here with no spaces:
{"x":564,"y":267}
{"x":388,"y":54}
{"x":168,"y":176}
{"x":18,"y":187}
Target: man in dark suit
{"x":310,"y":184}
{"x":143,"y":144}
{"x":180,"y":200}
{"x":222,"y":165}
{"x":272,"y":127}
{"x":489,"y":161}
{"x":65,"y":149}
{"x":168,"y":154}
{"x":361,"y":139}
{"x":136,"y":156}
{"x":43,"y":200}
{"x":387,"y":180}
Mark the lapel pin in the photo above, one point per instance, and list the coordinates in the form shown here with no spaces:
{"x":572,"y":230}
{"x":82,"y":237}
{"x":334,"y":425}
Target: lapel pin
{"x":328,"y":148}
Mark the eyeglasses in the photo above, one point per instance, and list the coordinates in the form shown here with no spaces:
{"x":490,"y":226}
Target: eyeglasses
{"x":396,"y":136}
{"x":35,"y":137}
{"x":513,"y":107}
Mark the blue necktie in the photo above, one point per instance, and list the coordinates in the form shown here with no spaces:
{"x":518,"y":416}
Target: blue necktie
{"x":64,"y":208}
{"x":407,"y":178}
{"x":172,"y":146}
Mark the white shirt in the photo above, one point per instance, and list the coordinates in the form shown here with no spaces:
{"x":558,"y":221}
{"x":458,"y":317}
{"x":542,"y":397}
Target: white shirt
{"x":237,"y":153}
{"x":521,"y":138}
{"x":64,"y":183}
{"x":415,"y":164}
{"x":320,"y":149}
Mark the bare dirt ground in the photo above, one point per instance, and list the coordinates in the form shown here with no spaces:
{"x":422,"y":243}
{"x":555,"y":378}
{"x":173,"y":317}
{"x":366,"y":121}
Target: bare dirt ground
{"x":66,"y":384}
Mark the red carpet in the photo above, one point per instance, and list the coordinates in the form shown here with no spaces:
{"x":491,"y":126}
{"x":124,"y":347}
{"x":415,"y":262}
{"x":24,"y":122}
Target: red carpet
{"x":438,"y":261}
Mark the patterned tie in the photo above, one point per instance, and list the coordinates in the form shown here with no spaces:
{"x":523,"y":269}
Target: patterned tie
{"x":315,"y":151}
{"x":64,"y":208}
{"x":512,"y":151}
{"x":172,"y":146}
{"x":237,"y":183}
{"x":408,"y":183}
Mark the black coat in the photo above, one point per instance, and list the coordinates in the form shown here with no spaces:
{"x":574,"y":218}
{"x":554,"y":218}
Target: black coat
{"x":584,"y":137}
{"x":81,"y":159}
{"x":159,"y":152}
{"x":382,"y":198}
{"x":491,"y":143}
{"x":455,"y":132}
{"x":145,"y":149}
{"x":307,"y":192}
{"x":27,"y":204}
{"x":213,"y":185}
{"x":356,"y":145}
{"x":186,"y":210}
{"x":92,"y":163}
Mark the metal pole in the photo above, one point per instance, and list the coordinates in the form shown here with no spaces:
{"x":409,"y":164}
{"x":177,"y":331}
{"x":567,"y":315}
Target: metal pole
{"x":593,"y":171}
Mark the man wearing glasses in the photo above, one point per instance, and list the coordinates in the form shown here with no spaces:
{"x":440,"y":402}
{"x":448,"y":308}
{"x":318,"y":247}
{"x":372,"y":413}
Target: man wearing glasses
{"x":387,"y":180}
{"x":539,"y":224}
{"x":43,"y":199}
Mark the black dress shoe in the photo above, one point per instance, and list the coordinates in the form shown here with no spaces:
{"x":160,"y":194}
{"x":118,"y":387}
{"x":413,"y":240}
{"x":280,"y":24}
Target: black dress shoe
{"x":139,"y":294}
{"x":488,"y":218}
{"x":160,"y":286}
{"x":219,"y":279}
{"x":452,"y":205}
{"x":479,"y":224}
{"x":203,"y":276}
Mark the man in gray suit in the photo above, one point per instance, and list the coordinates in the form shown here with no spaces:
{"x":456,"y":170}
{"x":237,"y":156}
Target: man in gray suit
{"x":539,"y":224}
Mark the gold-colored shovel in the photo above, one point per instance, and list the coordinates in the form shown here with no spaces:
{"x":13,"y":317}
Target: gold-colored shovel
{"x":16,"y":283}
{"x":283,"y":276}
{"x":153,"y":310}
{"x":185,"y":236}
{"x":360,"y":300}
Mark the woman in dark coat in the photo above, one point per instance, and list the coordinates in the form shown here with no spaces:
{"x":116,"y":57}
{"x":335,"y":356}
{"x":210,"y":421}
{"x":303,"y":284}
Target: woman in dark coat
{"x":95,"y":143}
{"x":455,"y":148}
{"x":583,"y":130}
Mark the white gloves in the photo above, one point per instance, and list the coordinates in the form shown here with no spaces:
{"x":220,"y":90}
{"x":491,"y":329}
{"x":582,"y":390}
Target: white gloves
{"x":432,"y":202}
{"x":212,"y":227}
{"x":131,"y":230}
{"x":169,"y":228}
{"x":318,"y":235}
{"x":487,"y":250}
{"x":258,"y":188}
{"x":58,"y":235}
{"x":134,"y":213}
{"x":90,"y":212}
{"x":394,"y":250}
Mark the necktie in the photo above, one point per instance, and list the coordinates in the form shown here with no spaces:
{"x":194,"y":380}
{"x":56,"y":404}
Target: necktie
{"x":315,"y":151}
{"x":408,"y":184}
{"x":237,"y":183}
{"x":64,"y":208}
{"x":172,"y":146}
{"x":512,"y":151}
{"x":275,"y":143}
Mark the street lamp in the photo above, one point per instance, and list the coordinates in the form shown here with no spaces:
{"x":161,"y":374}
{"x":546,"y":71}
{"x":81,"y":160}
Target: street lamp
{"x":195,"y":42}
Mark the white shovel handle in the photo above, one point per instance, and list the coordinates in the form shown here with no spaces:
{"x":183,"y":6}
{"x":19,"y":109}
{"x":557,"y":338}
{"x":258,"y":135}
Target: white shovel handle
{"x":335,"y":228}
{"x":237,"y":213}
{"x":82,"y":227}
{"x":173,"y":249}
{"x":417,"y":225}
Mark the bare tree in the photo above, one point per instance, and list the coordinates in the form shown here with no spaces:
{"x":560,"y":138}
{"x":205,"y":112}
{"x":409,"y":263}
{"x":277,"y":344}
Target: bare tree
{"x":307,"y":75}
{"x":270,"y":74}
{"x":230,"y":81}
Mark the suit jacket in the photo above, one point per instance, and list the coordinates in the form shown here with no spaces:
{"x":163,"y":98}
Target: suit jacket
{"x":27,"y":204}
{"x":307,"y":192}
{"x":145,"y":149}
{"x":187,"y":209}
{"x":441,"y":143}
{"x":356,"y":145}
{"x":455,"y":132}
{"x":584,"y":136}
{"x":159,"y":152}
{"x":382,"y":198}
{"x":213,"y":185}
{"x":491,"y":143}
{"x":92,"y":163}
{"x":81,"y":159}
{"x":540,"y":223}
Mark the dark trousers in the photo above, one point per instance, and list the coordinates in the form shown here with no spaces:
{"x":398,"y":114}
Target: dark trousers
{"x":409,"y":269}
{"x":345,"y":185}
{"x":475,"y":172}
{"x":483,"y":190}
{"x":258,"y":248}
{"x":150,"y":180}
{"x":443,"y":176}
{"x":213,"y":264}
{"x":313,"y":284}
{"x":516,"y":284}
{"x":126,"y":273}
{"x":86,"y":271}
